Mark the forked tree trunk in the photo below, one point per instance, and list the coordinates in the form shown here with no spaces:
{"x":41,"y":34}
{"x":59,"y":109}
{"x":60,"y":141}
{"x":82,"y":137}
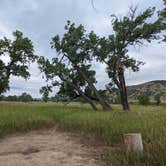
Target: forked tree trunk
{"x":84,"y":96}
{"x":122,"y":89}
{"x":103,"y":103}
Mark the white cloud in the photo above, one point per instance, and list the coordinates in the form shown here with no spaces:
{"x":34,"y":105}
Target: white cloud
{"x":5,"y":31}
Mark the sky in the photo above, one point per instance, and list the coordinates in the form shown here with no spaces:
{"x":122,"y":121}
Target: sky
{"x":40,"y":20}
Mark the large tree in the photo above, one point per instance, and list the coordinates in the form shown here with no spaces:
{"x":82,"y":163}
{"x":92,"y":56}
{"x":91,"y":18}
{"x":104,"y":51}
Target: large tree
{"x":71,"y":85}
{"x":20,"y":53}
{"x":77,"y":47}
{"x":131,"y":30}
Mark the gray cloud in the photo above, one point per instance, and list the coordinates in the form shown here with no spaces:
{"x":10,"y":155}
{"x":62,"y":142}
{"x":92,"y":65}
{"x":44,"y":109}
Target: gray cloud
{"x":42,"y":19}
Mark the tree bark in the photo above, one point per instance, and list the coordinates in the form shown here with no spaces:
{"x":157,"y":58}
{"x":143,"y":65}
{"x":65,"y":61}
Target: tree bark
{"x":84,"y":96}
{"x":103,"y":103}
{"x":4,"y":87}
{"x":122,"y":89}
{"x":1,"y":90}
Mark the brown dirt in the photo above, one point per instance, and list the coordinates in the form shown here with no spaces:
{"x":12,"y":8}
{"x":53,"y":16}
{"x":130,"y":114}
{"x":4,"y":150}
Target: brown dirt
{"x":48,"y":148}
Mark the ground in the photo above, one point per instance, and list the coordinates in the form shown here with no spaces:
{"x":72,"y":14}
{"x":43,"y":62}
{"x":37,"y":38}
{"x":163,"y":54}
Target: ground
{"x":47,"y":148}
{"x":85,"y":132}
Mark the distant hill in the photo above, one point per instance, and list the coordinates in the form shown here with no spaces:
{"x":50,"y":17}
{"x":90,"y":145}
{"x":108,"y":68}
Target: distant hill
{"x":151,"y":88}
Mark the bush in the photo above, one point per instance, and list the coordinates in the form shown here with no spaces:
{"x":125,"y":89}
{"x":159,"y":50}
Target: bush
{"x":143,"y":99}
{"x":25,"y":97}
{"x":157,"y":98}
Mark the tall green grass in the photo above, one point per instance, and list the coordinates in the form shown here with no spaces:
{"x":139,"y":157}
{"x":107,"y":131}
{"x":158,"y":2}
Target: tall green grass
{"x":150,"y":121}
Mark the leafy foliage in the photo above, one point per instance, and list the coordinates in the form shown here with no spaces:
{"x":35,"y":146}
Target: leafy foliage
{"x":157,"y":98}
{"x":162,"y":16}
{"x":24,"y":97}
{"x":20,"y":54}
{"x":63,"y":76}
{"x":71,"y":68}
{"x":130,"y":30}
{"x":75,"y":44}
{"x":143,"y":99}
{"x":59,"y":74}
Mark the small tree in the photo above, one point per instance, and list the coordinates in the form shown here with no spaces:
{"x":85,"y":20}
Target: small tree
{"x":25,"y":97}
{"x":143,"y":99}
{"x":20,"y":53}
{"x":157,"y":98}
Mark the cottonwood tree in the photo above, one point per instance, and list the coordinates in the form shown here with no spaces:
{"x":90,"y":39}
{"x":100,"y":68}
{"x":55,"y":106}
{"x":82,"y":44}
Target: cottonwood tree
{"x":77,"y":47}
{"x":131,"y":30}
{"x":20,"y":53}
{"x":70,"y":84}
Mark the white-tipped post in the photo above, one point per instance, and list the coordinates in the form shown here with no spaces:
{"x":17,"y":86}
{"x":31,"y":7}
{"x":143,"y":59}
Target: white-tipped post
{"x":133,"y":142}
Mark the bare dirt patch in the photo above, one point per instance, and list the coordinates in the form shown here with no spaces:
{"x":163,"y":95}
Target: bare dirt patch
{"x":48,"y":148}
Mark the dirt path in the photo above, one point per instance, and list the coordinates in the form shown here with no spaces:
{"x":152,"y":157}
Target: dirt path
{"x":47,"y":148}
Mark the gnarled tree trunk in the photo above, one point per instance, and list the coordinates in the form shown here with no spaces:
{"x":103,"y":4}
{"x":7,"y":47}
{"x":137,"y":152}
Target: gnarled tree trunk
{"x":103,"y":103}
{"x":84,"y":96}
{"x":122,"y":88}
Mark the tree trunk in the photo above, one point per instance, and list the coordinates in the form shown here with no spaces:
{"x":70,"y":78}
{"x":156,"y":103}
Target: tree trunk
{"x":103,"y":103}
{"x":84,"y":96}
{"x":123,"y":90}
{"x":3,"y":85}
{"x":1,"y":90}
{"x":5,"y":79}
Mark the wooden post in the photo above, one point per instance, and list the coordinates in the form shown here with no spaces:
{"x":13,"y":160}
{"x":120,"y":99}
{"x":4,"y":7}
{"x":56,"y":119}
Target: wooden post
{"x":133,"y":142}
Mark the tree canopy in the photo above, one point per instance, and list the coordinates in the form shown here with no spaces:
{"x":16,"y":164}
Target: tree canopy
{"x":59,"y":74}
{"x":162,"y":16}
{"x":131,"y":30}
{"x":73,"y":61}
{"x":20,"y":53}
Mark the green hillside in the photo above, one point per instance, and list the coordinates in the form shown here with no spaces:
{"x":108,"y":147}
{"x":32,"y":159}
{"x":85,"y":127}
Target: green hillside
{"x":151,"y":88}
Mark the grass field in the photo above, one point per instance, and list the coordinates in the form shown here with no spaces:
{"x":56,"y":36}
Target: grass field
{"x":109,"y":127}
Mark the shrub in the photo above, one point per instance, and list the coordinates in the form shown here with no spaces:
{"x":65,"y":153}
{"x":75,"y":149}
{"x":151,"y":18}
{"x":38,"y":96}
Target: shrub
{"x":157,"y":98}
{"x":143,"y":99}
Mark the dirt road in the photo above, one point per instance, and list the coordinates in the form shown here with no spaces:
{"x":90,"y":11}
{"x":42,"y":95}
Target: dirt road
{"x":47,"y":148}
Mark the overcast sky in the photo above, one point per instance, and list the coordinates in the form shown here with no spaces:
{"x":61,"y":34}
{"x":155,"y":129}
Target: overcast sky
{"x":40,"y":20}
